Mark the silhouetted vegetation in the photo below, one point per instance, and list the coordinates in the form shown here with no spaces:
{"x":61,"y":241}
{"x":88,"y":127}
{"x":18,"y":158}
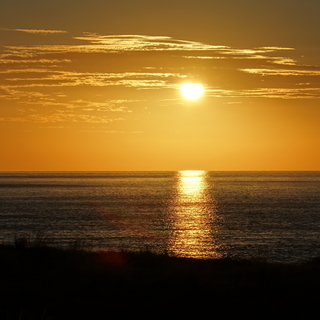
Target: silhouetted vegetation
{"x":43,"y":282}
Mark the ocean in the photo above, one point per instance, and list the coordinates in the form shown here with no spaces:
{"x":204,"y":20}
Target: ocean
{"x":200,"y":214}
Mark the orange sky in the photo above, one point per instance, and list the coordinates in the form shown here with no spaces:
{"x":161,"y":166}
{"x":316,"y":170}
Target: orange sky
{"x":95,"y":85}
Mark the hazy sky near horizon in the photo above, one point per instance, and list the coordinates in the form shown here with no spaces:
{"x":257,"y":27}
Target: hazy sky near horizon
{"x":95,"y":85}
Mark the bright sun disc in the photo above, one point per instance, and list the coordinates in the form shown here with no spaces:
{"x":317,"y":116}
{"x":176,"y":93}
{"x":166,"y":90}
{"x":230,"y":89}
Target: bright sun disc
{"x":192,"y":90}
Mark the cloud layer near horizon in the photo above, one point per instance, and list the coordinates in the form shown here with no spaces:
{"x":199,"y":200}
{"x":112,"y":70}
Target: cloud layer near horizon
{"x":97,"y":77}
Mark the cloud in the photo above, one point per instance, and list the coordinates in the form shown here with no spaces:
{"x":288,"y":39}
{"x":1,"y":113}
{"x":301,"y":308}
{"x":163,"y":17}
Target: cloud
{"x":106,"y":106}
{"x":275,"y":93}
{"x":61,"y":117}
{"x":202,"y":57}
{"x":24,"y":61}
{"x":145,"y":43}
{"x":96,"y":76}
{"x":283,"y":72}
{"x":36,"y":31}
{"x":46,"y":78}
{"x":37,"y":98}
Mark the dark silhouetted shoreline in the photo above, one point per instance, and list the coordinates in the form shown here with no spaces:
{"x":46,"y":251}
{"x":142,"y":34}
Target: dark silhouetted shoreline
{"x":42,"y":282}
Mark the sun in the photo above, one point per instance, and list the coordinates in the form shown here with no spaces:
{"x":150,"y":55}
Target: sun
{"x":192,"y":90}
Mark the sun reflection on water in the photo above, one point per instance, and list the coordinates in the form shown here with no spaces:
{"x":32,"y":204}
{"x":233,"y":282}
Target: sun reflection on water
{"x":193,"y":215}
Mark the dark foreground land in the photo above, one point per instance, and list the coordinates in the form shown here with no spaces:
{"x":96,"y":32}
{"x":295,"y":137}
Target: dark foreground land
{"x":48,"y":283}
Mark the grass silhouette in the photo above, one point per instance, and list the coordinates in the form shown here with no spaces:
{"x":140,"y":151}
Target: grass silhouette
{"x":44,"y":282}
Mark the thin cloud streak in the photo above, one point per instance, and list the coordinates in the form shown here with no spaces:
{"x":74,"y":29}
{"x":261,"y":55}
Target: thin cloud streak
{"x":283,"y":72}
{"x":36,"y":31}
{"x":61,"y":117}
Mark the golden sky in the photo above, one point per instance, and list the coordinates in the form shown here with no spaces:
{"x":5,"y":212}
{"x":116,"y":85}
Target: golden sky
{"x":95,"y":85}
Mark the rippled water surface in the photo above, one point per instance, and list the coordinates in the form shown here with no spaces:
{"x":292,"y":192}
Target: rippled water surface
{"x":275,"y":215}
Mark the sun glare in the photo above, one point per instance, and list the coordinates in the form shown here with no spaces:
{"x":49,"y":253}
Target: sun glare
{"x":192,"y":90}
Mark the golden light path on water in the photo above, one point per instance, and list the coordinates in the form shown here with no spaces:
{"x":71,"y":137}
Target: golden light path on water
{"x":193,"y":215}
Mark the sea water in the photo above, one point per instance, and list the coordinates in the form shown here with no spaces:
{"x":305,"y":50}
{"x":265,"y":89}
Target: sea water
{"x":272,"y":215}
